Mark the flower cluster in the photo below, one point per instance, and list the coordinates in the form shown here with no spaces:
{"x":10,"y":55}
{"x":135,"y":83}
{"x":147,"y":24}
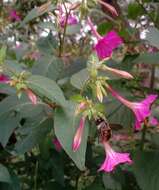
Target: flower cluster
{"x":142,"y":110}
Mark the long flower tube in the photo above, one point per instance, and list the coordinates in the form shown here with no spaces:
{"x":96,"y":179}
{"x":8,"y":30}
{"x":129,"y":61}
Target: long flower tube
{"x":113,"y":158}
{"x":141,"y":109}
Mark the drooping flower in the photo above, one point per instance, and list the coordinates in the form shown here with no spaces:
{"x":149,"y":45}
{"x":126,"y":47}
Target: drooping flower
{"x":117,"y":72}
{"x":14,"y":16}
{"x":113,"y":158}
{"x":78,"y":135}
{"x":4,"y":79}
{"x":57,"y":144}
{"x":140,"y":109}
{"x":105,"y":45}
{"x":66,"y":15}
{"x":31,"y":96}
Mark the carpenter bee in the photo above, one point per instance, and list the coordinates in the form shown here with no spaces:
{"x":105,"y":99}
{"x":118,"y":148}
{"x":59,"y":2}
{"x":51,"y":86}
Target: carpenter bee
{"x":104,"y":129}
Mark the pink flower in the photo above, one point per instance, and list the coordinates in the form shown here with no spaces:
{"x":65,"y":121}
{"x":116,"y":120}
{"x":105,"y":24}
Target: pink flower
{"x":71,"y":19}
{"x":31,"y":96}
{"x":4,"y":79}
{"x":105,"y":45}
{"x":113,"y":158}
{"x":57,"y":144}
{"x":153,"y":121}
{"x":78,"y":136}
{"x":140,"y":109}
{"x":14,"y":16}
{"x":117,"y":72}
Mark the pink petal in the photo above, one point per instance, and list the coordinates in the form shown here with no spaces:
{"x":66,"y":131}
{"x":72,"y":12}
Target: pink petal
{"x":4,"y":79}
{"x":113,"y":159}
{"x":31,"y":96}
{"x":78,"y":136}
{"x":107,"y":44}
{"x":57,"y":144}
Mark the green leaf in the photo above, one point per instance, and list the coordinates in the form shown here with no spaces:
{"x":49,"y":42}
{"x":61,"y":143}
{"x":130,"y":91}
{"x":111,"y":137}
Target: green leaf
{"x":79,"y":79}
{"x":152,"y":36}
{"x":34,"y":13}
{"x":8,"y":124}
{"x":2,"y":54}
{"x":48,"y":25}
{"x":104,"y":27}
{"x":134,"y":10}
{"x":46,"y":88}
{"x":114,"y":180}
{"x":115,"y":111}
{"x":73,"y":29}
{"x":146,"y":169}
{"x":49,"y":66}
{"x":147,"y":58}
{"x":34,"y":137}
{"x":66,"y":124}
{"x":4,"y":174}
{"x":47,"y":45}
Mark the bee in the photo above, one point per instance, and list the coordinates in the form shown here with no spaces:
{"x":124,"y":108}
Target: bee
{"x":104,"y":129}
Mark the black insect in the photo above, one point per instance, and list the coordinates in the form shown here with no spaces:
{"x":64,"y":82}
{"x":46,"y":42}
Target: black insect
{"x":104,"y":129}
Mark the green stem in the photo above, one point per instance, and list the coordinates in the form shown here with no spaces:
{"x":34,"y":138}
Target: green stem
{"x":64,"y":32}
{"x":143,"y":137}
{"x":35,"y":177}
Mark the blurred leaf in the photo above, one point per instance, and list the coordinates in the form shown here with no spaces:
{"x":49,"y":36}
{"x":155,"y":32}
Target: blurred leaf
{"x":66,"y":124}
{"x":2,"y":54}
{"x":134,"y":10}
{"x":45,"y":25}
{"x":7,"y":125}
{"x":147,"y":58}
{"x":46,"y":88}
{"x":36,"y":12}
{"x":152,"y":36}
{"x":79,"y":79}
{"x":4,"y":174}
{"x":115,"y":111}
{"x":114,"y":180}
{"x":48,"y":44}
{"x":73,"y":29}
{"x":146,"y":169}
{"x":49,"y":66}
{"x":104,"y":27}
{"x":34,"y":137}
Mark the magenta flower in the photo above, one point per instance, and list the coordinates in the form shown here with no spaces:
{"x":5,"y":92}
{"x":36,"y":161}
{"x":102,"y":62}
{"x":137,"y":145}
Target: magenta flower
{"x":57,"y":144}
{"x":113,"y":158}
{"x":71,"y":18}
{"x":14,"y":16}
{"x":153,"y":121}
{"x":78,"y":136}
{"x":31,"y":96}
{"x":105,"y":45}
{"x":4,"y":79}
{"x":140,"y":109}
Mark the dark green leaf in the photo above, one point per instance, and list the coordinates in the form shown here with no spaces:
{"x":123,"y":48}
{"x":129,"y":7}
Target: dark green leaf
{"x":4,"y":174}
{"x":34,"y":137}
{"x":79,"y":79}
{"x":152,"y":36}
{"x":66,"y":124}
{"x":46,"y":88}
{"x":146,"y":169}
